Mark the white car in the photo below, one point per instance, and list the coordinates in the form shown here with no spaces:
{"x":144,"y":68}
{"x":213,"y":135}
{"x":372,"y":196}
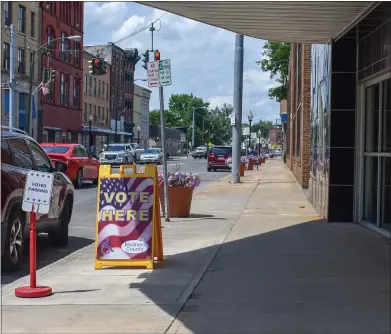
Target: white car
{"x":152,"y":155}
{"x":117,"y":154}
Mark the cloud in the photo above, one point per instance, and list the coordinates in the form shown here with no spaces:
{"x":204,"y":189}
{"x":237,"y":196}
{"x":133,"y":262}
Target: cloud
{"x":202,"y":56}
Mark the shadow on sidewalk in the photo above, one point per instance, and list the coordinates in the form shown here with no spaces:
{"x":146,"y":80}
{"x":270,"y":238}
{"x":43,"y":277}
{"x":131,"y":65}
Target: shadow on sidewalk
{"x":310,"y":277}
{"x":47,"y":253}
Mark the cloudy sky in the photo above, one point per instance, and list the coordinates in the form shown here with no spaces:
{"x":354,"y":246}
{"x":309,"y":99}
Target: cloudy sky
{"x":201,"y":55}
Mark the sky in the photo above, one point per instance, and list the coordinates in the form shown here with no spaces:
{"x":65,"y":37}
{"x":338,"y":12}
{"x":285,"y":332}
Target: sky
{"x":202,"y":56}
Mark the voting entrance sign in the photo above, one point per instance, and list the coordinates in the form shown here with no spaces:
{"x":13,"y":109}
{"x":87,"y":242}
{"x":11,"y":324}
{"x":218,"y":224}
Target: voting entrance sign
{"x":128,"y":228}
{"x":37,"y":192}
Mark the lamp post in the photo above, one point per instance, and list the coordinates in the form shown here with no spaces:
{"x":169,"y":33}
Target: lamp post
{"x":90,"y":119}
{"x":138,"y":134}
{"x":259,"y":142}
{"x":250,"y":119}
{"x":75,"y":38}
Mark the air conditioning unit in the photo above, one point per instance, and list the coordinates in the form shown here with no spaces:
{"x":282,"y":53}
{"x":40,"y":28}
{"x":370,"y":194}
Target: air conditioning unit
{"x":77,"y":25}
{"x":47,"y":6}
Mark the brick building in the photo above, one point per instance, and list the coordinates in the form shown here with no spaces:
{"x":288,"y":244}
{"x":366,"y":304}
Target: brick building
{"x":275,"y":136}
{"x":62,"y":107}
{"x":298,"y":108}
{"x":96,"y":102}
{"x":24,"y":16}
{"x":122,"y":66}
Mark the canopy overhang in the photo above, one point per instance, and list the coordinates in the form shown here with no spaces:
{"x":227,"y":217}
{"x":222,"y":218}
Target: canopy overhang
{"x":285,"y":21}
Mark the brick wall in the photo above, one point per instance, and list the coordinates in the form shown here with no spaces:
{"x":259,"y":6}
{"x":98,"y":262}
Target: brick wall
{"x":300,"y":165}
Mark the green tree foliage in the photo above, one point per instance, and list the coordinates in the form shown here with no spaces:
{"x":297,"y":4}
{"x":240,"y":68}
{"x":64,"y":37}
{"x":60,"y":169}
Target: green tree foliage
{"x":275,"y":59}
{"x":264,"y":126}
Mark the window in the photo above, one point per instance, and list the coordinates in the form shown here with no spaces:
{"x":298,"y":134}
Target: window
{"x":22,"y":19}
{"x":99,"y":119}
{"x":85,"y":83}
{"x":107,"y":91}
{"x":6,"y":56}
{"x":21,"y":63}
{"x":90,"y":109}
{"x":107,"y":115}
{"x":77,"y":54}
{"x":103,"y":89}
{"x":64,"y":51}
{"x":99,"y":88}
{"x":32,"y":24}
{"x":51,"y":47}
{"x":64,"y":89}
{"x":7,"y":12}
{"x":85,"y":111}
{"x":82,"y":152}
{"x":94,"y":86}
{"x":41,"y":160}
{"x":20,"y":154}
{"x":76,"y":92}
{"x":94,"y":113}
{"x":6,"y":157}
{"x":90,"y":85}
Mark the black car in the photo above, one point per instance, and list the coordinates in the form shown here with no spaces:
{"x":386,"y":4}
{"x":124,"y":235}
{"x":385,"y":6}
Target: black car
{"x":200,"y":152}
{"x":20,"y":154}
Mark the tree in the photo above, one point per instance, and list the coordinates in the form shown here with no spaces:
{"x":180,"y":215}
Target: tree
{"x":264,"y":126}
{"x":276,"y":61}
{"x":169,"y":118}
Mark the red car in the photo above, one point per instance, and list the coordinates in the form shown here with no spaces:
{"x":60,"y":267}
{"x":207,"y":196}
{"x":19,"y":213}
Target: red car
{"x":82,"y":166}
{"x":217,"y":157}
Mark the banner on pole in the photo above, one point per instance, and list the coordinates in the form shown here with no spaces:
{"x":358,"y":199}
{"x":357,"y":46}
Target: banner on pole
{"x":128,"y":227}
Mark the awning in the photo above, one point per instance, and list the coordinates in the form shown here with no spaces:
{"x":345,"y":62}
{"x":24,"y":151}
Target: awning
{"x":286,"y":21}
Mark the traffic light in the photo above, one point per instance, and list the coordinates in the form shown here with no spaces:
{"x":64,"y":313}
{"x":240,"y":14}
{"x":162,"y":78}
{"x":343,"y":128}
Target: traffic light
{"x":146,"y":59}
{"x":96,"y":66}
{"x":52,"y":75}
{"x":157,"y":55}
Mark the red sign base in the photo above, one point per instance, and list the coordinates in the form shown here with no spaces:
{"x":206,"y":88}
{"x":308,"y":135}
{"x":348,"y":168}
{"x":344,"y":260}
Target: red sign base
{"x":37,"y":292}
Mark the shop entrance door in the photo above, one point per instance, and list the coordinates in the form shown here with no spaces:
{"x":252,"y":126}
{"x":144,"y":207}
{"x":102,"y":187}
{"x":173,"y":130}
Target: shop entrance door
{"x":376,"y":155}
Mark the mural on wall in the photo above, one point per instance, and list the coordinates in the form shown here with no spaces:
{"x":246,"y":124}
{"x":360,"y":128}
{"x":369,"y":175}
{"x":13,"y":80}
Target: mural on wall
{"x":320,"y":126}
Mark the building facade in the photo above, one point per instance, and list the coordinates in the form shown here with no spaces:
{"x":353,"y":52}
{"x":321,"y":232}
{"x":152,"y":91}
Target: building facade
{"x":141,"y":100}
{"x":62,"y":107}
{"x":96,"y":106}
{"x":122,"y":64}
{"x":275,"y":136}
{"x":298,"y":111}
{"x":24,"y":16}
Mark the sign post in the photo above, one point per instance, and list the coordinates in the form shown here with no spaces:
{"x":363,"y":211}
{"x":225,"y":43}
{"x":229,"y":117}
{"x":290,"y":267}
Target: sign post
{"x":159,"y":73}
{"x":128,"y":227}
{"x":36,"y":198}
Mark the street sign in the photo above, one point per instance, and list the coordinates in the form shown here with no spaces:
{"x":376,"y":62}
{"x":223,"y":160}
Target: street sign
{"x":153,"y":74}
{"x":165,"y":72}
{"x":233,"y":119}
{"x":37,"y":192}
{"x":246,"y":131}
{"x":159,"y":73}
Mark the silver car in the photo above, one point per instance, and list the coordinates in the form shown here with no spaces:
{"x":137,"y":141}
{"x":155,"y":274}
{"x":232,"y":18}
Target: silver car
{"x":117,"y":154}
{"x":152,"y":155}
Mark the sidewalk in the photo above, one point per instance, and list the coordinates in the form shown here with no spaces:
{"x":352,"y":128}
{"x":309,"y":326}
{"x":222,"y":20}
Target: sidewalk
{"x":253,"y":258}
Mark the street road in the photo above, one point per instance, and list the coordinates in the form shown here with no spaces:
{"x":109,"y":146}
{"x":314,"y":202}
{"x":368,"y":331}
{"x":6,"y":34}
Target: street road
{"x":82,"y":226}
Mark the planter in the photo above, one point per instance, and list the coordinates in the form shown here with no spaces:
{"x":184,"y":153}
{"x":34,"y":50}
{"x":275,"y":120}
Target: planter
{"x":242,"y":168}
{"x":250,"y":165}
{"x":259,"y":161}
{"x":179,"y":199}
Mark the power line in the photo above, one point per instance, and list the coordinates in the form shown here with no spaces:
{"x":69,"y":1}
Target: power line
{"x":140,"y":30}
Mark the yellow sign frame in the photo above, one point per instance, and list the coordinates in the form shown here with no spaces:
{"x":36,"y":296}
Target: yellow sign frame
{"x":105,"y":171}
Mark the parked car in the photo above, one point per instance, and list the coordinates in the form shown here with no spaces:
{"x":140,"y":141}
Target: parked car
{"x":82,"y":166}
{"x":152,"y":155}
{"x":217,"y":157}
{"x":136,"y":150}
{"x":201,"y":152}
{"x":117,"y":154}
{"x":20,"y":154}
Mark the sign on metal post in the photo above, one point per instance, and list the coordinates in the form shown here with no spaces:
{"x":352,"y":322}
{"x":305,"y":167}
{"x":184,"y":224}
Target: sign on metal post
{"x":233,"y":119}
{"x":37,"y":192}
{"x":159,"y":73}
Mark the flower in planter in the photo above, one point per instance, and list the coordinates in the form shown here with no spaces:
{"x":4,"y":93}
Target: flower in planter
{"x":180,"y":179}
{"x":252,"y":157}
{"x":228,"y":162}
{"x":244,"y":159}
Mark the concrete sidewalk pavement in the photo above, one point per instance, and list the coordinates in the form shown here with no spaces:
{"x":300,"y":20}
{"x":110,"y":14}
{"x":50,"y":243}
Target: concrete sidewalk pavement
{"x":254,"y":258}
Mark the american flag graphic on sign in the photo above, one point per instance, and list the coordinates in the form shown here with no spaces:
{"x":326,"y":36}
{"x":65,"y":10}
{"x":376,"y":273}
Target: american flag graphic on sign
{"x":127,"y":234}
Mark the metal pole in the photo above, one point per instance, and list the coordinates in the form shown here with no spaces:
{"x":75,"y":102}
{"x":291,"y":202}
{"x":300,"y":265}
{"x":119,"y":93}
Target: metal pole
{"x":203,"y":125}
{"x":12,"y":76}
{"x":193,"y":131}
{"x":163,"y":141}
{"x":90,"y":135}
{"x":238,"y":96}
{"x":28,"y":116}
{"x":249,"y":137}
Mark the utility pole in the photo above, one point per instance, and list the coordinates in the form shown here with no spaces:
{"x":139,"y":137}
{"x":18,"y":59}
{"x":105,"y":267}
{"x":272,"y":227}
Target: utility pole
{"x":193,"y":131}
{"x":12,"y":82}
{"x":238,"y":96}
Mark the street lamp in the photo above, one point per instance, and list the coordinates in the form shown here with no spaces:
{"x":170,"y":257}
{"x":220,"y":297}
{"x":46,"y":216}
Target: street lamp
{"x":259,"y":142}
{"x":90,"y":119}
{"x":138,"y":134}
{"x":250,"y":119}
{"x":75,"y":38}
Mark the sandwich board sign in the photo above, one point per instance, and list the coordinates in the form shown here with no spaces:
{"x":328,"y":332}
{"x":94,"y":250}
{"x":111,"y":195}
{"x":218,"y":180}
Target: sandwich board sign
{"x":37,"y":192}
{"x":128,"y":226}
